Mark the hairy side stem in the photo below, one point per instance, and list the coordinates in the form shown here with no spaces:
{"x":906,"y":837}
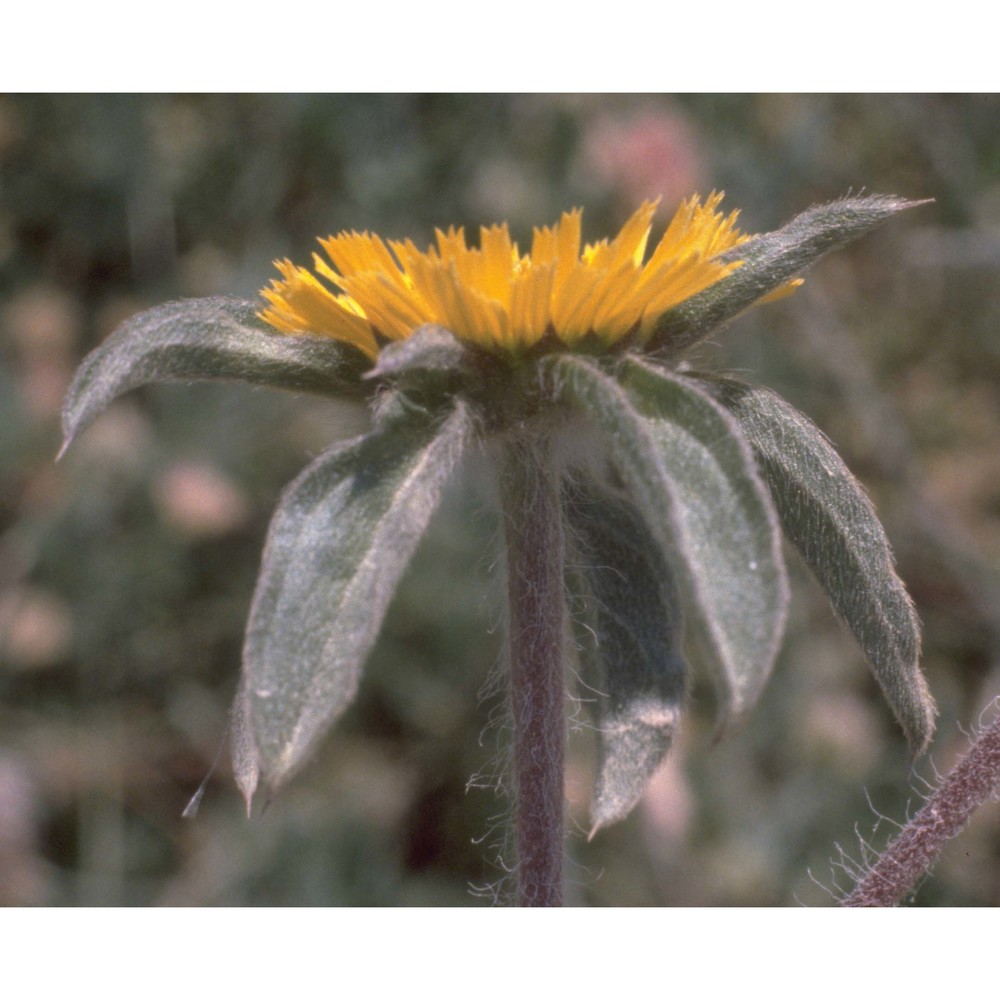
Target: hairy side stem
{"x":533,"y":530}
{"x":912,"y":853}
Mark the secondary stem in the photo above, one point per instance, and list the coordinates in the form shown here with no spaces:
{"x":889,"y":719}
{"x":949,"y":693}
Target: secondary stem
{"x":533,"y":529}
{"x":909,"y":857}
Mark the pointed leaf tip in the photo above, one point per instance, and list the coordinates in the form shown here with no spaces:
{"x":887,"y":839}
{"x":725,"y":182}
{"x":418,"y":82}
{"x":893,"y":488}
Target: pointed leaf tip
{"x":219,"y":339}
{"x":769,"y":260}
{"x":246,"y":758}
{"x":633,"y":746}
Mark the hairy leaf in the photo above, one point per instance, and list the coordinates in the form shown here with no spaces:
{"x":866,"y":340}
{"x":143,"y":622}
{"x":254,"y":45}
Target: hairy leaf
{"x":690,"y":473}
{"x":340,"y":539}
{"x":770,"y":260}
{"x":825,"y":512}
{"x":212,"y":338}
{"x":630,"y":642}
{"x":429,"y":348}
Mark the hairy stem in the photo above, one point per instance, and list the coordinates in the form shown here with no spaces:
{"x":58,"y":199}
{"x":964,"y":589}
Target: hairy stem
{"x":533,"y":529}
{"x":912,"y":853}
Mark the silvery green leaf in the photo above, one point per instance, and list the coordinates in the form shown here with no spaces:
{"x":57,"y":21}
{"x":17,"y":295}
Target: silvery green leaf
{"x":630,"y":642}
{"x":339,"y":541}
{"x":770,"y":260}
{"x":825,"y":512}
{"x":246,"y":765}
{"x":429,"y":348}
{"x":212,"y":338}
{"x":690,"y":473}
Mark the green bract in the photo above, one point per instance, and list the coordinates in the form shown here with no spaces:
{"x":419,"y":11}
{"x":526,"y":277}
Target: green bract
{"x":672,"y":527}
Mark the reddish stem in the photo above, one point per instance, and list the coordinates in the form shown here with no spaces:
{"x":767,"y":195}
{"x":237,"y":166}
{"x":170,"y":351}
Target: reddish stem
{"x":533,"y":529}
{"x":912,"y":853}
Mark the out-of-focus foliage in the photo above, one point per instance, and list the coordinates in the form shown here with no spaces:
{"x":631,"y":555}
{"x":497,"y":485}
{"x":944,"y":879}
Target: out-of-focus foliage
{"x":126,"y":571}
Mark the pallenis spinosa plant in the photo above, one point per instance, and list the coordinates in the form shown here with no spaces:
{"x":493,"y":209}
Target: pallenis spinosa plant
{"x":665,"y":530}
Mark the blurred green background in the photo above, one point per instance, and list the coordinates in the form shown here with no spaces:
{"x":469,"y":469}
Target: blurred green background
{"x":126,"y":571}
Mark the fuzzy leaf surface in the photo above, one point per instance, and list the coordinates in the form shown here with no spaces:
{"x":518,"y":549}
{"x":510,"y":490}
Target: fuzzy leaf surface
{"x":429,"y":348}
{"x":769,"y":260}
{"x":338,"y":544}
{"x":831,"y":521}
{"x":213,"y":338}
{"x":630,"y":643}
{"x":690,"y":473}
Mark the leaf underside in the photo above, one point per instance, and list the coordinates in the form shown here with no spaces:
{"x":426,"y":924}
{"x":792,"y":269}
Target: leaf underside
{"x":627,"y":612}
{"x":826,"y":514}
{"x":429,"y":349}
{"x":338,"y":544}
{"x":690,"y":474}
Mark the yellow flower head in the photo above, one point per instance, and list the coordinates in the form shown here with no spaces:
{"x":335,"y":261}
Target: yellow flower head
{"x":497,"y":298}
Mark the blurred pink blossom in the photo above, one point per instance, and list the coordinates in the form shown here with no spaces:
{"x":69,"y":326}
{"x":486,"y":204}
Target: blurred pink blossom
{"x":647,"y":154}
{"x":43,"y":322}
{"x":35,"y":628}
{"x":199,"y":501}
